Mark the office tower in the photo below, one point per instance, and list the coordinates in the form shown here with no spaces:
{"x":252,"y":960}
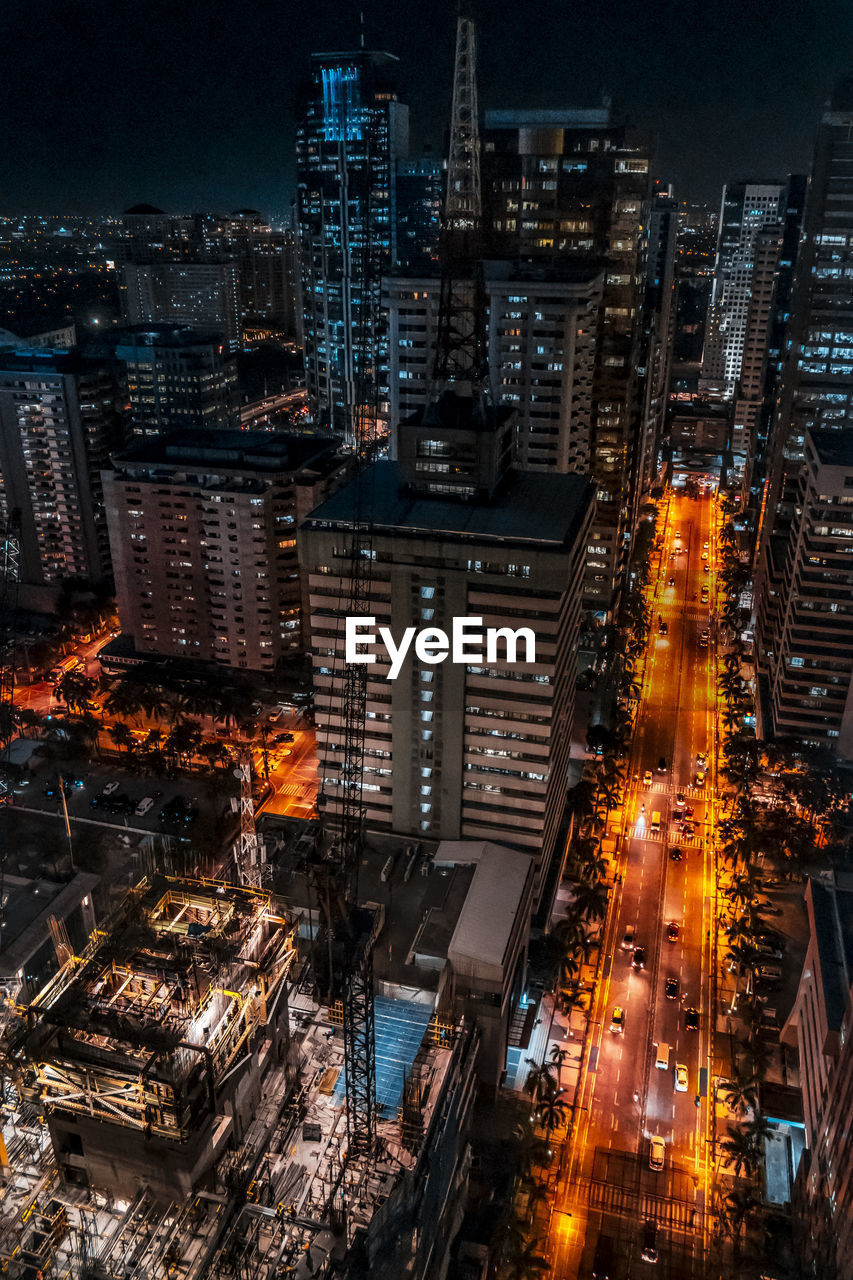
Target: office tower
{"x":807,"y":621}
{"x":61,"y":416}
{"x":563,"y":186}
{"x":418,"y":192}
{"x":203,"y":295}
{"x":746,"y":209}
{"x":175,"y":377}
{"x":351,"y":131}
{"x":475,"y":750}
{"x":541,"y":328}
{"x":268,"y":270}
{"x":659,"y":320}
{"x":203,"y":532}
{"x":819,"y":1026}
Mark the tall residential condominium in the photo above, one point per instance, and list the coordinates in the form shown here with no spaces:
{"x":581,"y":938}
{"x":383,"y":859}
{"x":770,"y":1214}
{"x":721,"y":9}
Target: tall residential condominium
{"x":541,"y":328}
{"x":203,"y":295}
{"x":659,"y":320}
{"x":566,"y":187}
{"x":418,"y":193}
{"x":175,"y":376}
{"x":806,"y":609}
{"x":61,"y":416}
{"x":820,"y":1027}
{"x":746,"y":209}
{"x":475,"y":749}
{"x":203,"y":534}
{"x":351,"y":131}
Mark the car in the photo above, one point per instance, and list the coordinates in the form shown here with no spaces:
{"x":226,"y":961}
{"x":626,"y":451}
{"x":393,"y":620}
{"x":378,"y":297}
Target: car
{"x":96,"y":802}
{"x":704,"y":555}
{"x":118,"y":803}
{"x":617,"y":1019}
{"x":680,"y":1078}
{"x":146,"y":803}
{"x":680,"y":800}
{"x":700,"y":778}
{"x":628,"y":940}
{"x":689,"y":811}
{"x":675,"y":853}
{"x":638,"y":960}
{"x":282,"y":737}
{"x":275,"y":715}
{"x":704,"y":599}
{"x":288,"y":751}
{"x":21,"y":784}
{"x":670,"y":988}
{"x":663,"y":628}
{"x":701,"y":759}
{"x":706,"y":568}
{"x":671,"y":582}
{"x":110,"y":788}
{"x":657,"y":1151}
{"x":672,"y":931}
{"x":691,"y":1019}
{"x":255,"y":708}
{"x":672,"y":555}
{"x":677,"y":534}
{"x":648,"y":778}
{"x":705,"y":635}
{"x":649,"y":1242}
{"x":688,"y":830}
{"x":706,"y":545}
{"x":662,"y":765}
{"x":703,"y":644}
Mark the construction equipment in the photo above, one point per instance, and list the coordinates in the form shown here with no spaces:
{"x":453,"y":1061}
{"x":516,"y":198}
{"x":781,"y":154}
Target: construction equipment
{"x":11,"y":576}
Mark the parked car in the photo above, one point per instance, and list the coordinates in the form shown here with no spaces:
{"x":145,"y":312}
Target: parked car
{"x":282,"y":737}
{"x":146,"y":803}
{"x":110,"y":788}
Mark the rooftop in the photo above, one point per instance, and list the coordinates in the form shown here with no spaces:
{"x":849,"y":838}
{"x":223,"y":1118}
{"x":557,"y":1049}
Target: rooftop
{"x":543,"y":509}
{"x":266,"y":451}
{"x":562,"y":118}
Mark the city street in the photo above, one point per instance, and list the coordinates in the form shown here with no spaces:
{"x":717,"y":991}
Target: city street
{"x":626,"y":1096}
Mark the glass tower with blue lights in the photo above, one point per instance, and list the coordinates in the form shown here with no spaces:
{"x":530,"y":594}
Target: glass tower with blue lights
{"x":352,"y":129}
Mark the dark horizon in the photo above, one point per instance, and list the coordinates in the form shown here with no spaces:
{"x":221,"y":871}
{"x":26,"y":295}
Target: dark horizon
{"x":194,"y":110}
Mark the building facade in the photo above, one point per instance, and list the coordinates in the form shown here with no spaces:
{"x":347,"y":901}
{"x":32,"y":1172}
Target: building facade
{"x":569,"y":186}
{"x":203,"y":534}
{"x":474,"y":750}
{"x":61,"y":416}
{"x":176,"y":378}
{"x":202,"y":295}
{"x":806,"y":612}
{"x":541,"y":341}
{"x":351,"y":131}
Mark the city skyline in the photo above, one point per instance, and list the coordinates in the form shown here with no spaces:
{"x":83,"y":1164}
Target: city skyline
{"x":197,"y":108}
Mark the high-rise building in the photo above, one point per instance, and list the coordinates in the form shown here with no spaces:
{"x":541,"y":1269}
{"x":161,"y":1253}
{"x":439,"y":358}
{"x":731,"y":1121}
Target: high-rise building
{"x":175,"y":377}
{"x":456,"y":750}
{"x":820,"y":1027}
{"x":541,"y":328}
{"x":568,"y":186}
{"x":351,"y":131}
{"x":659,"y":320}
{"x":203,"y":533}
{"x":806,"y":619}
{"x":203,"y":295}
{"x":746,"y":209}
{"x":418,"y":193}
{"x":61,"y":416}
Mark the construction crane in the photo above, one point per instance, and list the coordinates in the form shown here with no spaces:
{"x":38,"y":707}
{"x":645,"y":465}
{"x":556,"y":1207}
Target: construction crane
{"x":11,"y":576}
{"x":247,"y":849}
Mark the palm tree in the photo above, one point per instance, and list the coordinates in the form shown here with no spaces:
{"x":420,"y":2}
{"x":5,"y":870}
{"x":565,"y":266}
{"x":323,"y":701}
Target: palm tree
{"x":75,"y":690}
{"x":526,"y":1263}
{"x":560,"y":1057}
{"x":552,"y":1111}
{"x":122,"y":737}
{"x":538,"y":1195}
{"x":541,"y":1079}
{"x":590,"y":901}
{"x":740,"y":1151}
{"x":124,"y":699}
{"x":741,"y":1094}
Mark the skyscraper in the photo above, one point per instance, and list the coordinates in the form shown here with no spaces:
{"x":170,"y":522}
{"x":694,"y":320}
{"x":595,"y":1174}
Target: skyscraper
{"x":61,"y":416}
{"x":351,"y":131}
{"x":418,"y":191}
{"x":569,"y":186}
{"x":203,"y":295}
{"x":746,"y":209}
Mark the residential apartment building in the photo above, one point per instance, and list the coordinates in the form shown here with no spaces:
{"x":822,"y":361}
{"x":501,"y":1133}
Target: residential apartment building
{"x":477,"y":750}
{"x":175,"y":377}
{"x":820,"y":1028}
{"x":61,"y":416}
{"x":541,"y":341}
{"x":567,"y":187}
{"x":351,"y":131}
{"x":203,"y":535}
{"x":806,"y":610}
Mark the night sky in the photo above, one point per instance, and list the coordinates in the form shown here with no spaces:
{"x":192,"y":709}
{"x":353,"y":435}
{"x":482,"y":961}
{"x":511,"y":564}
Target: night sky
{"x":189,"y":105}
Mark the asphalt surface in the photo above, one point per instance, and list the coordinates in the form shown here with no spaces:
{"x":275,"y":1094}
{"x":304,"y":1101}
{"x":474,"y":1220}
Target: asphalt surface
{"x":605,"y":1183}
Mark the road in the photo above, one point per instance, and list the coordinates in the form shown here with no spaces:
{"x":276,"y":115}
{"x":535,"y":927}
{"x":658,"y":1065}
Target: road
{"x":605,"y":1182}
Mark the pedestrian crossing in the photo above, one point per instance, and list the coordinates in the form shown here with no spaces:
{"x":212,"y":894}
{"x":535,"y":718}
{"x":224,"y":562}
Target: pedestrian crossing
{"x":673,"y":1214}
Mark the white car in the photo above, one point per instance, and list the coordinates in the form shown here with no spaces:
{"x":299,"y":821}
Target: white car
{"x":144,"y":805}
{"x":110,"y":788}
{"x":648,"y":778}
{"x":275,"y":715}
{"x":680,"y":1078}
{"x":657,"y":1153}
